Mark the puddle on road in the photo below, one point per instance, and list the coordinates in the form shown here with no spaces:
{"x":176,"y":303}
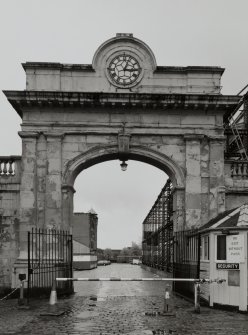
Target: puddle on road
{"x":86,"y":314}
{"x":96,"y":298}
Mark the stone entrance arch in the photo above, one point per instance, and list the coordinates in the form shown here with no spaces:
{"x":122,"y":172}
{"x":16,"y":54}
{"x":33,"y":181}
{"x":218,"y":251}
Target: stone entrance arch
{"x":122,"y":106}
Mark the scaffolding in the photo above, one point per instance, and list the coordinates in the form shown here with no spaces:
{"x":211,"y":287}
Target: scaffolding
{"x":157,"y":241}
{"x":236,"y":130}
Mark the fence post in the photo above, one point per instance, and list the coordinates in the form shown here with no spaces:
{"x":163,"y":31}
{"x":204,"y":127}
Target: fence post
{"x":197,"y":297}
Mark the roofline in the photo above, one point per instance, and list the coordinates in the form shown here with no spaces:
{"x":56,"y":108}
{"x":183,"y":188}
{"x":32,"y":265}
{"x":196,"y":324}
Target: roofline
{"x":208,"y":230}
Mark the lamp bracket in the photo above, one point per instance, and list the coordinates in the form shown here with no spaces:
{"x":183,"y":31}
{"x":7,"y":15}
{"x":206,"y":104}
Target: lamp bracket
{"x":123,"y":144}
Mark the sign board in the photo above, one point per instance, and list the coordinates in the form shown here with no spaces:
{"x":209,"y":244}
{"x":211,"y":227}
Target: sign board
{"x":227,"y":266}
{"x":235,"y":248}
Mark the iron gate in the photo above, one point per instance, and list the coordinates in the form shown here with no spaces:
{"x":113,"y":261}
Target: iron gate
{"x":49,"y":256}
{"x":186,"y":259}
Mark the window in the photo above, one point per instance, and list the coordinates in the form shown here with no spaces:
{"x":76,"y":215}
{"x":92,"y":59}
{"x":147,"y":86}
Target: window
{"x":205,"y":248}
{"x":221,"y":247}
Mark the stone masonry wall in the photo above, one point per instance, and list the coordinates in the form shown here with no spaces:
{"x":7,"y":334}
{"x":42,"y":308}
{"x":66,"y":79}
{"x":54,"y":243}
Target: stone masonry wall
{"x":9,"y":219}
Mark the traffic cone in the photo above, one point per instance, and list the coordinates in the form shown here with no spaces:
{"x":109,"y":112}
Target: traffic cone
{"x":53,"y":295}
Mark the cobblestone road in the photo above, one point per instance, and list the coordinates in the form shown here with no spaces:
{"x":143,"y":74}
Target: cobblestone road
{"x":117,"y":308}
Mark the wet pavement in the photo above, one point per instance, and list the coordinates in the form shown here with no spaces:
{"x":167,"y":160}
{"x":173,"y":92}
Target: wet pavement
{"x":117,"y":308}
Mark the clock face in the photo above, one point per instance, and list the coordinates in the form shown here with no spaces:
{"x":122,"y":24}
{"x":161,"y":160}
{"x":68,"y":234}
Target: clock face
{"x":124,"y":70}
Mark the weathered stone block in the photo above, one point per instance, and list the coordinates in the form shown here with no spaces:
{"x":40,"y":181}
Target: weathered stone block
{"x":193,"y":185}
{"x":27,"y":199}
{"x":54,"y":166}
{"x":193,"y":201}
{"x":193,"y":218}
{"x":70,"y":147}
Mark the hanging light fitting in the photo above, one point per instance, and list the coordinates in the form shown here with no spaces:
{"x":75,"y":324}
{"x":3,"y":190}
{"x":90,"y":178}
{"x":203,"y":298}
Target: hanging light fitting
{"x":123,"y":166}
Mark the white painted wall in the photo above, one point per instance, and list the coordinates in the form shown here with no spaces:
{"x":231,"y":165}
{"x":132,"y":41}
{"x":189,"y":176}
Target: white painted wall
{"x":223,"y":293}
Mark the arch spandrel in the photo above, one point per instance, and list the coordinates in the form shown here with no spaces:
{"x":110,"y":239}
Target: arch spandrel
{"x":100,"y":154}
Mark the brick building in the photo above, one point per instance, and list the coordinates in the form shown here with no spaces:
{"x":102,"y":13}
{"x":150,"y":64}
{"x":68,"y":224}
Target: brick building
{"x":85,"y":240}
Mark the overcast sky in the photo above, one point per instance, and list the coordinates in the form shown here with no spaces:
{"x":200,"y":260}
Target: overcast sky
{"x":180,"y":33}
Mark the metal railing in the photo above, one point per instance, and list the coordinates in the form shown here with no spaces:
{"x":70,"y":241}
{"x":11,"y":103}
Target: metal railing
{"x":49,"y":256}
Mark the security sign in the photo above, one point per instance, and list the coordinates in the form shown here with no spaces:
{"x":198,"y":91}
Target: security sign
{"x":227,"y":266}
{"x":235,"y":248}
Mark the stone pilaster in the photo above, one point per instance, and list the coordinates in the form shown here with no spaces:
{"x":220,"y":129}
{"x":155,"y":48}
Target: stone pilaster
{"x":178,"y":194}
{"x":41,"y":180}
{"x":204,"y":181}
{"x":53,"y":197}
{"x":193,"y":181}
{"x":216,"y":176}
{"x":67,"y":207}
{"x":28,"y":199}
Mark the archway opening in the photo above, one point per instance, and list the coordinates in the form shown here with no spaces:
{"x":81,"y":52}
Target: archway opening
{"x":120,"y":199}
{"x":99,"y":159}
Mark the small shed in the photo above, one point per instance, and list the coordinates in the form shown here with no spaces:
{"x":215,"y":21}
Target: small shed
{"x":223,"y":255}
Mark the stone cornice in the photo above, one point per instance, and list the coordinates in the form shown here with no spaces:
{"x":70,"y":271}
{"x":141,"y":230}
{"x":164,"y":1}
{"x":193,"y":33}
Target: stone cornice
{"x":88,"y":67}
{"x":67,"y":188}
{"x":193,"y":137}
{"x":189,"y":69}
{"x":21,"y":99}
{"x":57,"y":66}
{"x":28,"y":134}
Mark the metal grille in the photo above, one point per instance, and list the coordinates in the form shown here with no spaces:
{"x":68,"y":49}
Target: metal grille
{"x":158,"y":232}
{"x":186,"y":259}
{"x":49,"y":256}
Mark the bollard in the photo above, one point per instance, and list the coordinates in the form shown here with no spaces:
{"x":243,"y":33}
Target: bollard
{"x":166,"y":299}
{"x":197,"y":297}
{"x":21,"y":300}
{"x":53,"y":295}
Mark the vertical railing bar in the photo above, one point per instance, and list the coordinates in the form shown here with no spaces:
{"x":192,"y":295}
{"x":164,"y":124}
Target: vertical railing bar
{"x":52,"y":261}
{"x":55,"y":254}
{"x":29,"y":269}
{"x":32,"y":278}
{"x":71,"y":259}
{"x":39,"y":276}
{"x":198,"y":256}
{"x":49,"y":260}
{"x":46,"y":260}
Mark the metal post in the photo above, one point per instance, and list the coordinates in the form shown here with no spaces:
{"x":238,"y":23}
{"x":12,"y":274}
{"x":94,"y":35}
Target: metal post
{"x":21,"y":300}
{"x":22,"y":290}
{"x":197,"y":298}
{"x":166,"y":299}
